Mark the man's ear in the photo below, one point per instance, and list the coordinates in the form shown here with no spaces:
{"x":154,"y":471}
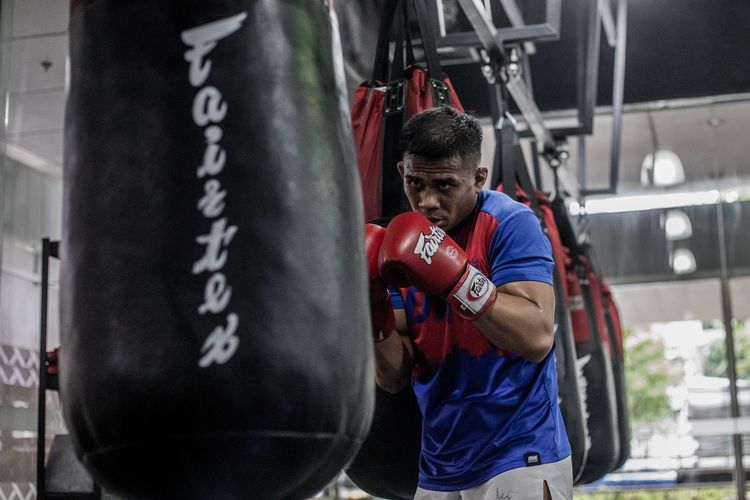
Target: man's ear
{"x":400,"y":168}
{"x":480,"y":177}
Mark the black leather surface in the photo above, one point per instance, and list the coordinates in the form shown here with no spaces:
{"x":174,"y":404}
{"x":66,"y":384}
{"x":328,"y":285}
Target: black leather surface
{"x":279,"y":416}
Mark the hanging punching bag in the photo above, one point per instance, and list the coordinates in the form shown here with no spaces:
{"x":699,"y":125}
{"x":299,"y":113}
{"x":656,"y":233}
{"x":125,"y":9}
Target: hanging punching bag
{"x":592,"y":349}
{"x":387,"y":465}
{"x":569,"y":381}
{"x":215,"y":320}
{"x":594,"y":359}
{"x":568,"y":375}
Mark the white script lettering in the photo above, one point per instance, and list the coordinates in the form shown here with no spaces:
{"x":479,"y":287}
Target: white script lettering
{"x":209,"y":110}
{"x":202,"y":40}
{"x":428,"y":244}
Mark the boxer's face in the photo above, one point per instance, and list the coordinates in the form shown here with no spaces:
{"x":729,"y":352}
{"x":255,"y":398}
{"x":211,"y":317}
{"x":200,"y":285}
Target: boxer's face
{"x":445,"y":191}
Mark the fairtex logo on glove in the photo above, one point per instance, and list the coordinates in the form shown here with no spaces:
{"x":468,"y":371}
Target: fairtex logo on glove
{"x":473,"y":294}
{"x":428,"y":244}
{"x":478,"y":286}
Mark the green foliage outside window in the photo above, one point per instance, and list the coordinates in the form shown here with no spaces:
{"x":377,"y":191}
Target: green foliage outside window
{"x":715,"y":363}
{"x":647,"y":375}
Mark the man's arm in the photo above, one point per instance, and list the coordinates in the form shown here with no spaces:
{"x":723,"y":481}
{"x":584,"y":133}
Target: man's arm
{"x":394,"y":357}
{"x":521,"y":319}
{"x":394,"y":354}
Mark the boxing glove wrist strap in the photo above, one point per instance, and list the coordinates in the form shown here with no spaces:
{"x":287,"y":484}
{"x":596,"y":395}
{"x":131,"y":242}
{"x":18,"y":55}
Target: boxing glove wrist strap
{"x":473,"y":294}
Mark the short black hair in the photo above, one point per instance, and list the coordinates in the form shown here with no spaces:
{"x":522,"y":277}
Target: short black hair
{"x":441,"y":133}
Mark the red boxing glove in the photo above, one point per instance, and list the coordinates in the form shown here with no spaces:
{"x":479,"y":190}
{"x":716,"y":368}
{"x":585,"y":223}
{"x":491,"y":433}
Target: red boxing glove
{"x":417,"y":251}
{"x":381,"y":312}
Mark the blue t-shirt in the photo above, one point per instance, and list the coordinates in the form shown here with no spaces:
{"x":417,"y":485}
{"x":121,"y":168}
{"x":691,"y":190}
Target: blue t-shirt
{"x":484,"y":411}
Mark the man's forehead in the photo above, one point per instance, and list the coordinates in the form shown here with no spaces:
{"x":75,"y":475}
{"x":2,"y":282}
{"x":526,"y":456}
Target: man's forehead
{"x":447,"y":166}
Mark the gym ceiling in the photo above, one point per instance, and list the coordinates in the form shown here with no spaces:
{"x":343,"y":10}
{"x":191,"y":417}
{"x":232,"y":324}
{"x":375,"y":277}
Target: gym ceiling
{"x":687,"y":65}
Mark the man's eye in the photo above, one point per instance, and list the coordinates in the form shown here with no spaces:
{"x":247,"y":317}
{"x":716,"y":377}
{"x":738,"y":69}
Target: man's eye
{"x":415,"y":183}
{"x":444,"y":186}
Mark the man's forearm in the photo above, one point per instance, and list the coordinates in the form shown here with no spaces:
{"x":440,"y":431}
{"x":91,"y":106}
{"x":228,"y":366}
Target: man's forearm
{"x":519,"y":325}
{"x":393,"y":362}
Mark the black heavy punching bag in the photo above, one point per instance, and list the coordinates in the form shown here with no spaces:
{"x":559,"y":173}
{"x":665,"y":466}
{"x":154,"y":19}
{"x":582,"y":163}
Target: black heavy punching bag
{"x":569,"y":376}
{"x":215,"y":321}
{"x":387,"y":465}
{"x":592,"y":345}
{"x":592,"y":348}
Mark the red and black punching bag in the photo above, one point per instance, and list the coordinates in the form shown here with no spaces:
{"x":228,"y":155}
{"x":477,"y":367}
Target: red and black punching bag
{"x":569,"y":377}
{"x":592,"y":347}
{"x":214,"y":306}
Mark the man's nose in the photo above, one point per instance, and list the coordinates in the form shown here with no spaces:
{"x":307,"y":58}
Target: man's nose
{"x":429,"y":200}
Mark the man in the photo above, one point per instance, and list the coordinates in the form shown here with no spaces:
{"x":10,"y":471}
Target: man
{"x":473,"y":322}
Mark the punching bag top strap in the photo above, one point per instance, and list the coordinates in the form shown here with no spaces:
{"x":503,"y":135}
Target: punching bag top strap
{"x":410,"y":59}
{"x":426,"y":21}
{"x":380,"y":67}
{"x":395,"y":95}
{"x":401,"y":35}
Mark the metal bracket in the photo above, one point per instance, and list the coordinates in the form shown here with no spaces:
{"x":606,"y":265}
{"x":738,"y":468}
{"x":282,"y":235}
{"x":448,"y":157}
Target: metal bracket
{"x":557,"y":159}
{"x":440,"y":93}
{"x":395,"y":98}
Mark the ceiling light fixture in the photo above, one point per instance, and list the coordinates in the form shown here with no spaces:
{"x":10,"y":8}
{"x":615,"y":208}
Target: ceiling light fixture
{"x":731,"y":196}
{"x":661,"y":167}
{"x":682,"y":261}
{"x":677,"y":225}
{"x":634,"y":203}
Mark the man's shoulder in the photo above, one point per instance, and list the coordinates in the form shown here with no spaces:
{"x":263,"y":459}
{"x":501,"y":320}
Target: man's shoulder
{"x":500,"y":206}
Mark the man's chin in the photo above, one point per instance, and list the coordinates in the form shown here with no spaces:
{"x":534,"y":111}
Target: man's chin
{"x":444,"y":224}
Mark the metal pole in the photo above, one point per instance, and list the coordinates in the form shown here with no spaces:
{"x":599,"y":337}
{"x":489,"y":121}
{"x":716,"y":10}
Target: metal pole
{"x":42,"y":392}
{"x":618,"y":93}
{"x":581,"y":156}
{"x":726,"y":308}
{"x":6,"y":22}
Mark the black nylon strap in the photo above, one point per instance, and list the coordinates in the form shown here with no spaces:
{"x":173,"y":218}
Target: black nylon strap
{"x":401,"y":29}
{"x":410,"y":59}
{"x":426,"y":19}
{"x":380,"y":67}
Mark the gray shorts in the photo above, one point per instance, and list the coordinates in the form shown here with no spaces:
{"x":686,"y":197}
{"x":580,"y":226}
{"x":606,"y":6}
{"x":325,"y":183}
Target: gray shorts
{"x":524,"y":483}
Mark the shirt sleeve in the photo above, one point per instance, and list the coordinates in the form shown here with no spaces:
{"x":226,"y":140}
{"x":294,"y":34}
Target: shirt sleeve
{"x":520,"y":251}
{"x":397,"y":301}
